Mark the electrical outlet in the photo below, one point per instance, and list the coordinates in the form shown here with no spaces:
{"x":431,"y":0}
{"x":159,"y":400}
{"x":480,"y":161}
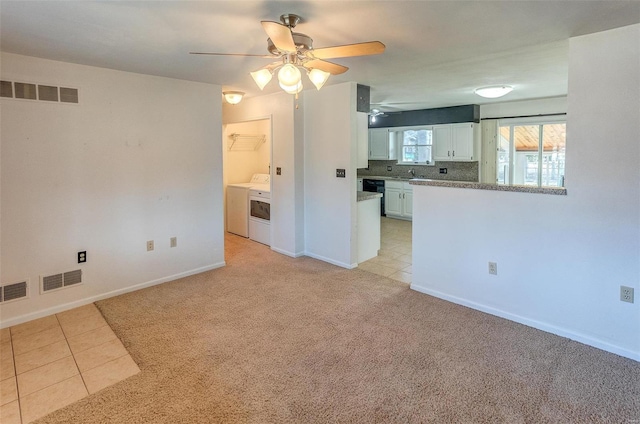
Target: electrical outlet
{"x":626,"y":294}
{"x":493,"y":268}
{"x":149,"y":245}
{"x":340,"y":173}
{"x":278,"y":171}
{"x":82,"y":257}
{"x":173,"y":242}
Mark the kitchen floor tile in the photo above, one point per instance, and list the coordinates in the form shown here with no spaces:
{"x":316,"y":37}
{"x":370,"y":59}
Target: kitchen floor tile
{"x":42,"y":402}
{"x":10,"y":413}
{"x":43,"y":356}
{"x":5,"y":335}
{"x":32,"y":327}
{"x":7,"y":368}
{"x":405,"y":258}
{"x":405,"y":277}
{"x":394,"y":258}
{"x":74,"y":323}
{"x":91,"y":339}
{"x":388,"y":253}
{"x":8,"y":391}
{"x":34,"y":341}
{"x":110,"y":373}
{"x":375,"y":268}
{"x":41,"y":362}
{"x":47,"y":375}
{"x":100,"y":354}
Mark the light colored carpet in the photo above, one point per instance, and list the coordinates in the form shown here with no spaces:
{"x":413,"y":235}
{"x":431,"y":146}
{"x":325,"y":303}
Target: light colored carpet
{"x":271,"y":339}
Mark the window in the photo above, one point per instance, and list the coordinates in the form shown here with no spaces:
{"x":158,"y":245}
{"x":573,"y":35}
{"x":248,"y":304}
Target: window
{"x":414,"y":145}
{"x":531,"y":152}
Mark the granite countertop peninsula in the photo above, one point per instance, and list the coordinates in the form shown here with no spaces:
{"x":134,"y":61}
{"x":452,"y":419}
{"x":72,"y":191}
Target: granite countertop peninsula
{"x":484,"y":186}
{"x":366,"y":195}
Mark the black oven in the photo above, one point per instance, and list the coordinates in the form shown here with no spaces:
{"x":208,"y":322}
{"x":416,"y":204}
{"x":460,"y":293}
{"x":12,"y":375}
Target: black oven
{"x":375,"y":186}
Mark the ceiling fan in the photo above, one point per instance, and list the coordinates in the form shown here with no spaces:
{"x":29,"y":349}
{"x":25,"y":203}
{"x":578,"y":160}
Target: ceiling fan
{"x":294,"y":51}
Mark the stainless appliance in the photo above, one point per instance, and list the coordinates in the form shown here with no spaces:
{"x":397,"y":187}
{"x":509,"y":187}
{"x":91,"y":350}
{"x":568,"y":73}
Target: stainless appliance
{"x":375,"y":186}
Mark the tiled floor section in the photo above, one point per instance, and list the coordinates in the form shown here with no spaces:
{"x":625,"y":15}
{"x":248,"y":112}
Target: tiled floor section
{"x":54,"y":361}
{"x":394,"y":259}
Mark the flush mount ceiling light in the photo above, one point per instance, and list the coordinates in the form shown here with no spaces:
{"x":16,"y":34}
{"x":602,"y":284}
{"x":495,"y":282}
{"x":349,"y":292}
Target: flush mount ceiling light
{"x":493,"y":91}
{"x":233,"y":97}
{"x":294,"y":52}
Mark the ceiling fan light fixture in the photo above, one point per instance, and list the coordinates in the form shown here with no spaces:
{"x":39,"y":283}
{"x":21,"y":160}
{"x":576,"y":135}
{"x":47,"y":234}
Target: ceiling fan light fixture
{"x":233,"y":97}
{"x":292,"y":89}
{"x":318,"y":77}
{"x":494,"y":91}
{"x":289,"y":75}
{"x":261,"y":77}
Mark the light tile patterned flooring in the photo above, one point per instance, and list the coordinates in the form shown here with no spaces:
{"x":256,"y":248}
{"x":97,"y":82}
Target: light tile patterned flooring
{"x":394,"y":259}
{"x":51,"y":362}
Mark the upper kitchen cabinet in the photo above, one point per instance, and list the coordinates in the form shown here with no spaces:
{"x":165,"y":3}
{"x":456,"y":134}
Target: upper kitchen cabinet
{"x":381,"y":144}
{"x":456,"y":142}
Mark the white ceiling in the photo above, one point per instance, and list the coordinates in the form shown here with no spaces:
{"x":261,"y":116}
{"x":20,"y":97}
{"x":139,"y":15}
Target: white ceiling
{"x":437,"y":51}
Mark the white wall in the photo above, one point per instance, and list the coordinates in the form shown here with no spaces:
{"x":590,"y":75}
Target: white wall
{"x":330,"y":202}
{"x":287,"y":191}
{"x":139,"y":158}
{"x":561,"y":259}
{"x":544,"y":106}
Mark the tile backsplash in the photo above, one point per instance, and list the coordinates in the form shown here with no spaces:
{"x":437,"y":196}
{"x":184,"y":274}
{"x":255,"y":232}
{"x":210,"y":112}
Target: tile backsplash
{"x":456,"y":171}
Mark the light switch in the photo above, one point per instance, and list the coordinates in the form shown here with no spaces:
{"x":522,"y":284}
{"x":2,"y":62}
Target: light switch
{"x":341,"y":173}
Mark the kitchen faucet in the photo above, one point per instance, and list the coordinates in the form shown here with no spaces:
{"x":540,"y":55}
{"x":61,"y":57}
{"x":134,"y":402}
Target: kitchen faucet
{"x":412,"y":172}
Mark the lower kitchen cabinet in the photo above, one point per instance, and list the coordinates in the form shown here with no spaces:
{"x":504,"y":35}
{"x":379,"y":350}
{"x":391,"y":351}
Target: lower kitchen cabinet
{"x":398,"y":199}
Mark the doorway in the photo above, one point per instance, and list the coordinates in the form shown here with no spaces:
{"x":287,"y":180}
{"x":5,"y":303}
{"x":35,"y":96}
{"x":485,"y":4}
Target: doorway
{"x":247,"y":151}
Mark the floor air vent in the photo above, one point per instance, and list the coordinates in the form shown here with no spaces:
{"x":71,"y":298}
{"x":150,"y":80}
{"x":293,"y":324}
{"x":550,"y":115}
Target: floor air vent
{"x":60,"y":281}
{"x":14,"y":291}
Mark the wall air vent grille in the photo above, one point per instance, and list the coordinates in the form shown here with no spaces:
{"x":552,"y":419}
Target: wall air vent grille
{"x":72,"y":277}
{"x":6,"y":89}
{"x":60,"y":281}
{"x":42,"y":92}
{"x":48,"y":93}
{"x":68,"y":95}
{"x":51,"y":282}
{"x":25,"y":91}
{"x":14,"y":291}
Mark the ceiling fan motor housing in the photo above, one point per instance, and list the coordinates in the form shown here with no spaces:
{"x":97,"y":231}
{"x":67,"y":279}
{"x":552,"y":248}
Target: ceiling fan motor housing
{"x":303,"y":42}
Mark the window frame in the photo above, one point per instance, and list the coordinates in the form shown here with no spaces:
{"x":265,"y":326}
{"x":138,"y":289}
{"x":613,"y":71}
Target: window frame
{"x":398,"y":134}
{"x":539,"y":121}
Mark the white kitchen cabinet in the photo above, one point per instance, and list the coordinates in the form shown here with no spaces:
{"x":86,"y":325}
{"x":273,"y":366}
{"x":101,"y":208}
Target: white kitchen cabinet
{"x":398,"y":199}
{"x":381,"y":145}
{"x":455,"y":142}
{"x":363,"y":140}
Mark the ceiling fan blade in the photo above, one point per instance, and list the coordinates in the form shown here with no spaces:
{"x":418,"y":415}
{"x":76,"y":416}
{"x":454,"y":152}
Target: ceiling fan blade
{"x":323,"y":65}
{"x":348,"y":50}
{"x":234,"y":54}
{"x":280,"y":35}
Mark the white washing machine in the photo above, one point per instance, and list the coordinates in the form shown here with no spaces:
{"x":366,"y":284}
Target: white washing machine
{"x":238,"y":203}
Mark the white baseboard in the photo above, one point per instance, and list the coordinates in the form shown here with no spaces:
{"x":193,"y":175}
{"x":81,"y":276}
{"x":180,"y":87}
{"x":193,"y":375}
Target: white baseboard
{"x":81,"y":302}
{"x":563,"y":332}
{"x":287,"y":253}
{"x":328,"y":260}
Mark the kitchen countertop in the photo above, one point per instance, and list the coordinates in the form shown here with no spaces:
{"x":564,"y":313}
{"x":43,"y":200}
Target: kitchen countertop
{"x":366,"y":195}
{"x":484,"y":186}
{"x":377,"y":177}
